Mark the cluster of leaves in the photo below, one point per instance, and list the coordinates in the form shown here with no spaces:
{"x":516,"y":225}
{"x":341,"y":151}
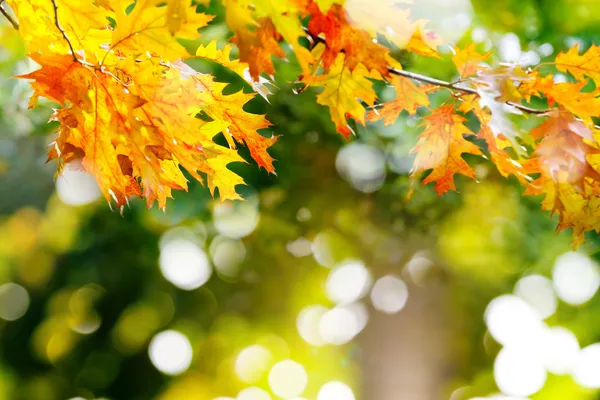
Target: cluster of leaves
{"x":130,"y":106}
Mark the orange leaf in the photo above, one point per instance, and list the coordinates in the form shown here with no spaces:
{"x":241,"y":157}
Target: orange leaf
{"x":408,"y":97}
{"x":342,"y":37}
{"x":468,"y":60}
{"x":440,"y":149}
{"x":566,"y":160}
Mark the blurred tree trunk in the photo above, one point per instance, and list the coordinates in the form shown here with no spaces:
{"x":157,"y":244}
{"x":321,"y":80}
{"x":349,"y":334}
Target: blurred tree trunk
{"x":405,"y":355}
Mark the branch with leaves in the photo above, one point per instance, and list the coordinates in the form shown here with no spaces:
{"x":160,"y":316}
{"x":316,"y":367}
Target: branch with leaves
{"x":130,"y":106}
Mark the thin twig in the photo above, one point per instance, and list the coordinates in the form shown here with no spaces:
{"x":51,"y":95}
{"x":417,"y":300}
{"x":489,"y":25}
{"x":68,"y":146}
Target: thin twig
{"x":7,"y":15}
{"x":62,"y":31}
{"x":437,"y":82}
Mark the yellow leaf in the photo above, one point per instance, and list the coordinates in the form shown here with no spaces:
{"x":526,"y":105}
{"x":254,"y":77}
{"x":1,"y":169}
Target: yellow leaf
{"x":243,"y":127}
{"x":147,"y":29}
{"x":468,"y":60}
{"x":343,"y":89}
{"x":210,"y":52}
{"x":580,"y":66}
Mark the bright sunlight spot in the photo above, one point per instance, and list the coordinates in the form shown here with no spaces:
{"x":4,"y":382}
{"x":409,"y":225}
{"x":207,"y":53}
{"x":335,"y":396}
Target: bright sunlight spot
{"x":76,"y":187}
{"x":184,"y":264}
{"x":539,"y":293}
{"x":587,"y":369}
{"x":288,"y":379}
{"x":335,"y":390}
{"x":252,"y":363}
{"x":519,"y":371}
{"x":14,"y":301}
{"x":170,"y":352}
{"x":511,"y":320}
{"x":389,"y":294}
{"x":307,"y":324}
{"x":348,"y":282}
{"x":253,"y":393}
{"x":576,"y":278}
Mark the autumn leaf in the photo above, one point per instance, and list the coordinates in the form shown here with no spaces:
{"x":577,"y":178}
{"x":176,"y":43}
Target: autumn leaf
{"x":134,"y":141}
{"x":342,"y":37}
{"x":343,"y":91}
{"x":259,"y":26}
{"x":222,"y":56}
{"x":147,"y":29}
{"x":408,"y":97}
{"x":258,"y":46}
{"x":440,"y":148}
{"x":392,"y":19}
{"x":581,"y":66}
{"x":242,"y":127}
{"x":566,"y":177}
{"x":80,"y":20}
{"x":424,"y":42}
{"x":496,"y":143}
{"x":583,"y":104}
{"x":468,"y":60}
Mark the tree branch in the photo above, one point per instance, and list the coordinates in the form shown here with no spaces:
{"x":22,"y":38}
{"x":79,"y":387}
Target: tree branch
{"x":433,"y":81}
{"x":7,"y":16}
{"x":62,"y":31}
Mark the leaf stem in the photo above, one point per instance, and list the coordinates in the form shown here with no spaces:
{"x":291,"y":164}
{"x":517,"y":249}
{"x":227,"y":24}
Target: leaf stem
{"x":8,"y":16}
{"x":62,"y":30}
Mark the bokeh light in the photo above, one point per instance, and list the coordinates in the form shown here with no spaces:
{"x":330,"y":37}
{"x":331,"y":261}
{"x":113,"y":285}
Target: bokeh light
{"x":511,"y":320}
{"x":419,"y":267}
{"x":288,"y":379}
{"x":335,"y":390}
{"x":539,"y":293}
{"x":348,"y":282}
{"x":560,"y":350}
{"x":227,"y":254}
{"x":236,"y":219}
{"x":307,"y":324}
{"x":14,"y":301}
{"x":184,"y":264}
{"x":576,"y":278}
{"x":76,"y":187}
{"x":253,"y":393}
{"x":252,"y":363}
{"x":519,"y":371}
{"x":587,"y":368}
{"x":170,"y":352}
{"x":389,"y":294}
{"x":363,"y":166}
{"x":338,"y":326}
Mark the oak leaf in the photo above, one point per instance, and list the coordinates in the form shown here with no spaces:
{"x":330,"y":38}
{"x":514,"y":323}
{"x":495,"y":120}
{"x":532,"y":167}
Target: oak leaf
{"x":147,"y":29}
{"x":132,"y":134}
{"x":566,"y":163}
{"x":342,"y":37}
{"x":468,"y":60}
{"x":496,"y":143}
{"x":440,"y":148}
{"x":580,"y":66}
{"x":343,"y":91}
{"x":409,"y":97}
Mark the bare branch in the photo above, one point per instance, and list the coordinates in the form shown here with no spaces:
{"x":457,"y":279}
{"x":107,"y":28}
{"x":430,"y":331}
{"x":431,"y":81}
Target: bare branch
{"x":8,"y":16}
{"x":62,"y":31}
